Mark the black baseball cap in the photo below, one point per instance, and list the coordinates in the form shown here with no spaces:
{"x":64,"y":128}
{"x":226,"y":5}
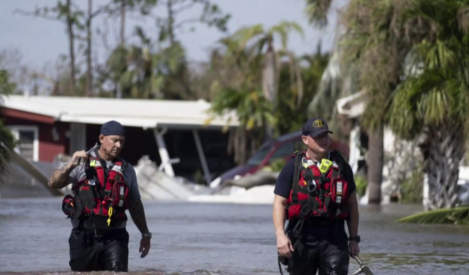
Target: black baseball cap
{"x":112,"y":128}
{"x":315,"y":126}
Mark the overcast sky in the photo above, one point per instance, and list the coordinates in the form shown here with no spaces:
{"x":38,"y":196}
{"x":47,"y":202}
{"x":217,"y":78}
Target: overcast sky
{"x":40,"y":40}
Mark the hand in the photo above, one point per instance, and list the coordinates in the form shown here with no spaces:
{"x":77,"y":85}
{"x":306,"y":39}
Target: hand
{"x":284,"y":246}
{"x":144,"y":247}
{"x":76,"y":158}
{"x":354,"y":250}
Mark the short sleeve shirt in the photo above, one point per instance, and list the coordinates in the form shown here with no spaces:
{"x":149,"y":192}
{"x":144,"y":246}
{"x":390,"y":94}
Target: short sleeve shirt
{"x":284,"y":186}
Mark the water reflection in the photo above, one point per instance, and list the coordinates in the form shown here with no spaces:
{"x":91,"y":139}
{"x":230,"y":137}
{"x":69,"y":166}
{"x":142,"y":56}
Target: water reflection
{"x":197,"y":238}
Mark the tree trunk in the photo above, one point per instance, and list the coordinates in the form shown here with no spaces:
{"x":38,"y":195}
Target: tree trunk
{"x":89,"y":76}
{"x":118,"y":91}
{"x":269,"y":83}
{"x":71,"y":39}
{"x":122,"y":31}
{"x":169,"y":7}
{"x":444,"y":152}
{"x":375,"y":165}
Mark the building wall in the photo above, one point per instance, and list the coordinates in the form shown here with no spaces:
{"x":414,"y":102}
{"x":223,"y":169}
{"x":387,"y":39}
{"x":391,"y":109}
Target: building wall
{"x":53,"y":139}
{"x":51,"y":142}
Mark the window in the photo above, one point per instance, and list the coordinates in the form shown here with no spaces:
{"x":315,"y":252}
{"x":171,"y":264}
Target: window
{"x":288,"y":149}
{"x":27,"y":138}
{"x":259,"y":156}
{"x":285,"y":150}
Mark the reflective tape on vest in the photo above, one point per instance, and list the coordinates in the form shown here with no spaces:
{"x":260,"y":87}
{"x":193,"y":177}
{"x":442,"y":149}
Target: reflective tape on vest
{"x":92,"y":182}
{"x":121,"y":193}
{"x":117,"y":168}
{"x":339,"y":191}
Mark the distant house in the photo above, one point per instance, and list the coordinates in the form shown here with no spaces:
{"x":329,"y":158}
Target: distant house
{"x":353,"y":107}
{"x":47,"y":127}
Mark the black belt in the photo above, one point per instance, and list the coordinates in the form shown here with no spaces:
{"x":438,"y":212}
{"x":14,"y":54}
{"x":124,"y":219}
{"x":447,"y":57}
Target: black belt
{"x":89,"y":227}
{"x":98,"y":232}
{"x":319,"y":222}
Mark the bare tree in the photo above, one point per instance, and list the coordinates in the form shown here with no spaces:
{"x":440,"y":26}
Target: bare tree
{"x":70,"y":15}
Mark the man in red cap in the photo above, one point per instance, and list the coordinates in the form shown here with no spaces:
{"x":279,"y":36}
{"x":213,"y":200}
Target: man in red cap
{"x":315,"y":191}
{"x":104,"y":186}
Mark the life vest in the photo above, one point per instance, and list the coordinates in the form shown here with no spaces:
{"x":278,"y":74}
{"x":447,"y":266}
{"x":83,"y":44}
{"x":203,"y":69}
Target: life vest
{"x":100,"y":200}
{"x":318,"y":191}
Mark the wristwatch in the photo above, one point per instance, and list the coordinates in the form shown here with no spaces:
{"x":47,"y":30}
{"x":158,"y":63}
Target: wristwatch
{"x":146,"y":235}
{"x":356,"y":238}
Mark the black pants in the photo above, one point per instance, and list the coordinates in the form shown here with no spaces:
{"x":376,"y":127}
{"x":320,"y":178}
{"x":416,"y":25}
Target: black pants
{"x":310,"y":256}
{"x":99,"y":252}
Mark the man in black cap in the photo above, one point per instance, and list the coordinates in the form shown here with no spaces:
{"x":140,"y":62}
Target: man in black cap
{"x":104,"y":186}
{"x":315,"y":191}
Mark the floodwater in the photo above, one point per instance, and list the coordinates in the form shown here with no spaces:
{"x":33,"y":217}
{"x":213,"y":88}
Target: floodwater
{"x":225,"y":239}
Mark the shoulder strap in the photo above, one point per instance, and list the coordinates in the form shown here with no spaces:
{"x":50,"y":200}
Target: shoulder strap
{"x":341,"y":162}
{"x":124,"y":163}
{"x":296,"y":176}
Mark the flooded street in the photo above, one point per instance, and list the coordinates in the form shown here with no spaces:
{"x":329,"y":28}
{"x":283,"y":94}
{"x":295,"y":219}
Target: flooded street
{"x":231,"y":239}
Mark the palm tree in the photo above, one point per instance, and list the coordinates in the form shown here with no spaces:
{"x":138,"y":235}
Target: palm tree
{"x":7,"y":141}
{"x":337,"y":81}
{"x":248,"y":68}
{"x":258,"y":45}
{"x":132,"y":70}
{"x":433,"y":100}
{"x":412,"y":59}
{"x":290,"y":116}
{"x":252,"y":111}
{"x":372,"y":45}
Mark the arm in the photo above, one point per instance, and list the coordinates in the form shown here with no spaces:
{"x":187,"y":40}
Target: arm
{"x":352,"y":223}
{"x":138,"y":216}
{"x":353,"y":220}
{"x":136,"y":209}
{"x":137,"y":212}
{"x":59,"y":178}
{"x":284,"y":246}
{"x":282,"y":191}
{"x":278,"y":215}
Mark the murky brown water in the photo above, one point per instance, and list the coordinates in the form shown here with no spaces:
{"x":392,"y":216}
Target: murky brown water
{"x":196,"y":238}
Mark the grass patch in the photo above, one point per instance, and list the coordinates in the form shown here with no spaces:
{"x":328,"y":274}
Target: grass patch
{"x":361,"y":184}
{"x":411,"y":189}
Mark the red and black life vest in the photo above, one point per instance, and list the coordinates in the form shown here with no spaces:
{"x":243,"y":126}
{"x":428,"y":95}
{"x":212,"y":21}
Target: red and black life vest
{"x":318,"y":191}
{"x":102,"y":197}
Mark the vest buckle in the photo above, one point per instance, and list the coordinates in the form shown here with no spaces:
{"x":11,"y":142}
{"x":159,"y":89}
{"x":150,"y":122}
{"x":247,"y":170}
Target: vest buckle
{"x":312,"y":186}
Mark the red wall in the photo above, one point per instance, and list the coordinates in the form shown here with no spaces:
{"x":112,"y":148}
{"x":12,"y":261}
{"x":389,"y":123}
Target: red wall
{"x":48,"y":148}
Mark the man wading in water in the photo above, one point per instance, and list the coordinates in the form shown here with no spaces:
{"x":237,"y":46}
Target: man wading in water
{"x":104,"y":186}
{"x":317,"y":190}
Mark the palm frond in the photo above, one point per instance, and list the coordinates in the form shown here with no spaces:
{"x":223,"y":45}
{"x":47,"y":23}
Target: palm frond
{"x":329,"y":90}
{"x":244,"y":35}
{"x":252,"y":109}
{"x":457,"y":215}
{"x":316,"y":11}
{"x":7,"y":141}
{"x":284,"y":29}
